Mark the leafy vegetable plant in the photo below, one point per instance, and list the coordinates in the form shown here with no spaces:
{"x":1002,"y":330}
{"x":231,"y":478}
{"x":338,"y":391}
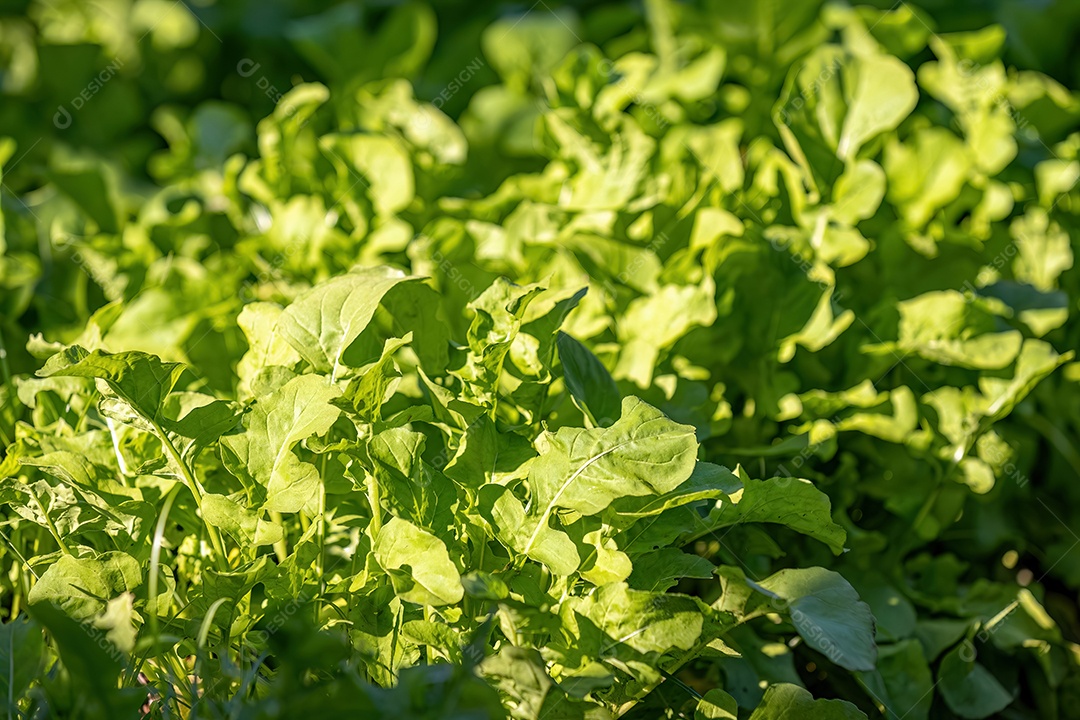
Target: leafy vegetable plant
{"x":690,"y":360}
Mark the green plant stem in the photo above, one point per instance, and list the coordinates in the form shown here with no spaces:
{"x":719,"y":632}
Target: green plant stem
{"x":196,"y":491}
{"x":48,"y":521}
{"x":281,"y":547}
{"x":320,"y":536}
{"x":660,"y":30}
{"x":428,"y":651}
{"x":321,"y":530}
{"x":116,"y":448}
{"x":22,"y":581}
{"x":17,"y":554}
{"x":669,"y":674}
{"x":376,"y":508}
{"x":155,"y":559}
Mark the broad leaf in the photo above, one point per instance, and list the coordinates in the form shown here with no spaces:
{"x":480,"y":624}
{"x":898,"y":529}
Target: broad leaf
{"x":828,"y":614}
{"x":322,"y":322}
{"x":273,"y":427}
{"x":589,"y":382}
{"x":82,"y":586}
{"x":969,"y":689}
{"x":418,"y":563}
{"x":783,"y":701}
{"x":792,"y":502}
{"x":642,"y":454}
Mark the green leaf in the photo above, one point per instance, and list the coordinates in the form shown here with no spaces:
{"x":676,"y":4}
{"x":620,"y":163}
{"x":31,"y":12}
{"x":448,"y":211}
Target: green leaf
{"x":661,"y":569}
{"x":828,"y":614}
{"x":22,"y":656}
{"x":117,"y":622}
{"x":520,"y":48}
{"x":142,"y":381}
{"x":368,"y":391}
{"x":408,"y":488}
{"x":322,"y":322}
{"x":947,"y":328}
{"x":498,"y":316}
{"x":532,"y":355}
{"x":230,"y":587}
{"x":968,"y":688}
{"x":384,"y":168}
{"x":417,"y":312}
{"x":244,"y":525}
{"x":858,"y":192}
{"x":522,"y":676}
{"x":418,"y":563}
{"x":92,"y":664}
{"x":783,"y":701}
{"x":925,"y":173}
{"x":273,"y":427}
{"x":648,"y":327}
{"x":589,"y":382}
{"x":648,"y":622}
{"x":485,"y":455}
{"x":92,"y":185}
{"x":1044,"y":250}
{"x":604,"y":563}
{"x":266,"y":346}
{"x":641,"y":454}
{"x":1037,"y":360}
{"x":81,"y":587}
{"x":792,"y":502}
{"x":835,"y":101}
{"x":707,"y":481}
{"x":435,"y":635}
{"x":200,"y":418}
{"x":716,"y":705}
{"x":527,"y":534}
{"x":404,"y":42}
{"x":902,"y":681}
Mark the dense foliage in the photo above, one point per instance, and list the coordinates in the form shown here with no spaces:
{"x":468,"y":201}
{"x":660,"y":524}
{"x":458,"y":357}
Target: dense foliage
{"x":684,"y":360}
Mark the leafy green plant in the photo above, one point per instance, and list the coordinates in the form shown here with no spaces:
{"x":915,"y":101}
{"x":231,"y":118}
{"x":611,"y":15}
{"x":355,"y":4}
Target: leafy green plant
{"x":664,"y":374}
{"x":419,"y":517}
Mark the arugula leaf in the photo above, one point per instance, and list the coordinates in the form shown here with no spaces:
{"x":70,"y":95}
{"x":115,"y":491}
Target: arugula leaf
{"x":589,"y":383}
{"x":418,"y":564}
{"x":969,"y":689}
{"x":324,"y":321}
{"x":410,"y":489}
{"x":527,"y":534}
{"x":792,"y":502}
{"x":784,"y":700}
{"x":647,"y":622}
{"x":642,"y":453}
{"x":828,"y":614}
{"x":22,"y":650}
{"x":264,"y":452}
{"x":835,"y":101}
{"x":140,"y":380}
{"x":82,"y":586}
